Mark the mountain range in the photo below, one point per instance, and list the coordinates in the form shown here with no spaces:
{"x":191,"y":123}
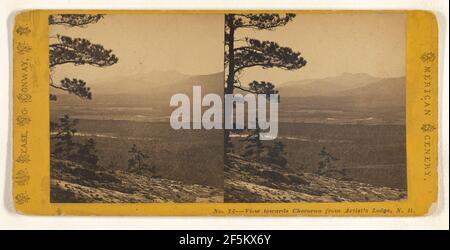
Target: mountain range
{"x":325,"y":86}
{"x":345,"y":85}
{"x":150,"y":90}
{"x":137,"y":83}
{"x":343,"y":91}
{"x":347,"y":91}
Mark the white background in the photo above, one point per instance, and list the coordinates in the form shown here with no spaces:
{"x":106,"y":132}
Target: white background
{"x":438,"y":219}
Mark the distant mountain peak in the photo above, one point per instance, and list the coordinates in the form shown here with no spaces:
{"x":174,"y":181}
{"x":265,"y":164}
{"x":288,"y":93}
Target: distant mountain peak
{"x":355,"y":74}
{"x":155,"y":71}
{"x":327,"y":86}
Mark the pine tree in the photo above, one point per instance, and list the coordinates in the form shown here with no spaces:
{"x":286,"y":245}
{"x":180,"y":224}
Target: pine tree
{"x":253,"y":140}
{"x":112,"y":165}
{"x":277,"y":155}
{"x":137,"y":161}
{"x":326,"y":160}
{"x":76,"y":51}
{"x":86,"y":153}
{"x":63,"y":133}
{"x":254,"y":53}
{"x":73,"y":20}
{"x":254,"y":146}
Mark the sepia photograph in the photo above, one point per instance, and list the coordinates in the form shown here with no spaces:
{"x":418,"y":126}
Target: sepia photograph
{"x":340,"y":78}
{"x":234,"y":108}
{"x":111,"y":81}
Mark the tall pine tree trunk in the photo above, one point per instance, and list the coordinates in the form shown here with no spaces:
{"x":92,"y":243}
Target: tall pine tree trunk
{"x":258,"y":141}
{"x":229,"y":88}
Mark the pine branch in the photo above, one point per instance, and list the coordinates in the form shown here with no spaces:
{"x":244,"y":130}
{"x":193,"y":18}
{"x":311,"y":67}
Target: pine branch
{"x":73,"y":20}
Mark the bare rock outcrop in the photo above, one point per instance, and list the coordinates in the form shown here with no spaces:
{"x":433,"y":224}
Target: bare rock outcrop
{"x":76,"y":183}
{"x":247,"y":181}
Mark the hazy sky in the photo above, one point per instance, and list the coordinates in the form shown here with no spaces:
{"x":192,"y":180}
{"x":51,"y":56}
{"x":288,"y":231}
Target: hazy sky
{"x":193,"y":44}
{"x":333,"y":44}
{"x":190,"y":44}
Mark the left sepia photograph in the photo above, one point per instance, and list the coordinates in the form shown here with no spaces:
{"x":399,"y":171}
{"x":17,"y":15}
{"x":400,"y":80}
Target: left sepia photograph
{"x":112,"y":78}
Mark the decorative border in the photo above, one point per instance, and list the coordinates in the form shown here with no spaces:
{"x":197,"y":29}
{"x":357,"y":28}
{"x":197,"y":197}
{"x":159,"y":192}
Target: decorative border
{"x":31,"y":146}
{"x":23,"y":78}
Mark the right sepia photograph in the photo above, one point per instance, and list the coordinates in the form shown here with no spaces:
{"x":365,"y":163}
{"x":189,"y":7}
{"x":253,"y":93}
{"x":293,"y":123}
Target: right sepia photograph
{"x":340,"y":81}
